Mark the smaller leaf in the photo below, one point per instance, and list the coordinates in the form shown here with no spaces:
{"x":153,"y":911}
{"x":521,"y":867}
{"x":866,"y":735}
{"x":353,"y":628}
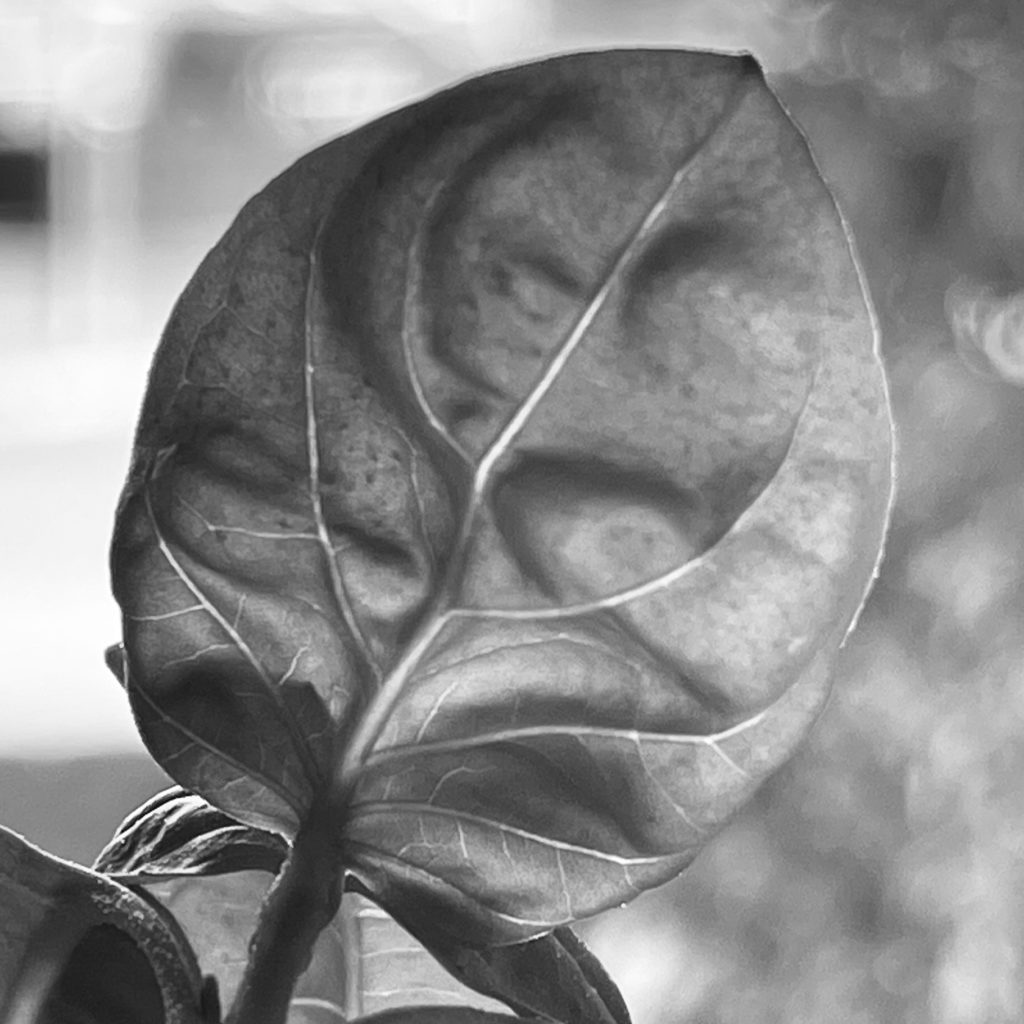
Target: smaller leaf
{"x":76,"y":946}
{"x":554,"y":977}
{"x":177,"y":834}
{"x":114,"y":657}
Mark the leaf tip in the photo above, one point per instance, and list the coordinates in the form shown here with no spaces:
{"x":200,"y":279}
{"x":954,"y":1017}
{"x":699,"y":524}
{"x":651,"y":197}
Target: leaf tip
{"x":114,"y":656}
{"x":749,"y":66}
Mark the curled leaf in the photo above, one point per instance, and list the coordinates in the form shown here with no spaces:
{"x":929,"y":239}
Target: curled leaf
{"x":178,"y":834}
{"x":76,"y":946}
{"x":509,"y":476}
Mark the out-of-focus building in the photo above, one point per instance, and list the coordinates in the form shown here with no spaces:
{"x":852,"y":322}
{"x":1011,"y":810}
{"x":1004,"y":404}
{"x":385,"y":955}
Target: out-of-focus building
{"x":130,"y":133}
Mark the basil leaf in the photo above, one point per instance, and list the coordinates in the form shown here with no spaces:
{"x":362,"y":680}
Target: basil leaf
{"x":508,"y":478}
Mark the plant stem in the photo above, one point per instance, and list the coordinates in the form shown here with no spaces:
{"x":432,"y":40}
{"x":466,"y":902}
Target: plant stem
{"x":299,"y":905}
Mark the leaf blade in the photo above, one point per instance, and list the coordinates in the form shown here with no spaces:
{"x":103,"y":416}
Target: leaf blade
{"x":568,"y":360}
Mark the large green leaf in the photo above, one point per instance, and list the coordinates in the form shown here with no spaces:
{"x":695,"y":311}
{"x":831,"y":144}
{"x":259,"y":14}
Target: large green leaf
{"x":78,"y":947}
{"x":508,"y":478}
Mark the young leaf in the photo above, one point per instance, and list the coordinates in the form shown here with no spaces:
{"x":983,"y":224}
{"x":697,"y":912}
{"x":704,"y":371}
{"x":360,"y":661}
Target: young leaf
{"x":178,"y":834}
{"x":508,"y":478}
{"x":75,"y":946}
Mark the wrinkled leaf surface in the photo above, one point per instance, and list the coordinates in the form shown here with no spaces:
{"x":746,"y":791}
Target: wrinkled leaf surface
{"x":510,"y":473}
{"x":75,"y":946}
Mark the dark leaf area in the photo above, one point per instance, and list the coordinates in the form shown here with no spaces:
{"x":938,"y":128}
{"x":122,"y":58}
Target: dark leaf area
{"x":508,"y":477}
{"x":78,"y":948}
{"x":107,"y":978}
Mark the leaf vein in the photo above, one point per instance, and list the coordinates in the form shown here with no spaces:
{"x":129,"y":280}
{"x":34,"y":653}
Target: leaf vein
{"x":519,"y":733}
{"x":663,"y":580}
{"x":244,"y":770}
{"x":340,"y":591}
{"x":369,"y":808}
{"x":411,"y":324}
{"x":295,"y":734}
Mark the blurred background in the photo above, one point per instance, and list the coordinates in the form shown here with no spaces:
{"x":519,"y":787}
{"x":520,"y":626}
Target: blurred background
{"x":878,"y":877}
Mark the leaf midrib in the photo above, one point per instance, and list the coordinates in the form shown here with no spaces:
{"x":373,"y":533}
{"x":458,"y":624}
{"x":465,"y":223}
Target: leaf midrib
{"x":440,"y":611}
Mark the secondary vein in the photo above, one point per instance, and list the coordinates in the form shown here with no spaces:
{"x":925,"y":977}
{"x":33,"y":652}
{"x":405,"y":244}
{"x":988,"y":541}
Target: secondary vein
{"x":341,"y":595}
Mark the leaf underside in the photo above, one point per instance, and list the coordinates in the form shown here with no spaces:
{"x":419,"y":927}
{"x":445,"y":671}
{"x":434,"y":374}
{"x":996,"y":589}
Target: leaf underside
{"x":509,"y":476}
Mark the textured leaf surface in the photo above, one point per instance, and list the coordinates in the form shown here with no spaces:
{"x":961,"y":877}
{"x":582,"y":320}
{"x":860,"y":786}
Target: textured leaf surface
{"x":509,"y":476}
{"x":177,"y":833}
{"x":362,"y":964}
{"x":75,"y":946}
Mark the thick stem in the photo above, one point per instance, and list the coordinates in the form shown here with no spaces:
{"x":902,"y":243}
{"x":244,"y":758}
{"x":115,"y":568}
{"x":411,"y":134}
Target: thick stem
{"x":299,"y":905}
